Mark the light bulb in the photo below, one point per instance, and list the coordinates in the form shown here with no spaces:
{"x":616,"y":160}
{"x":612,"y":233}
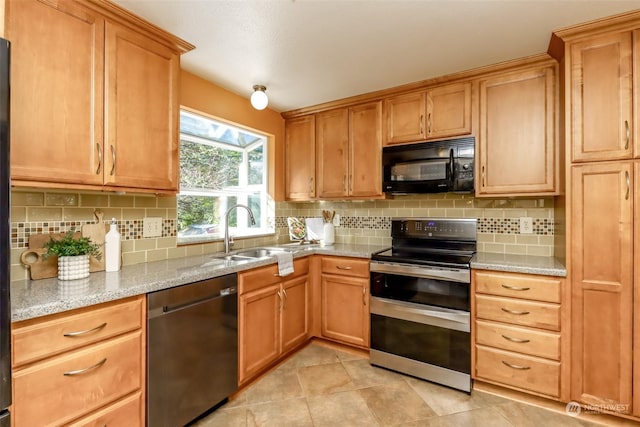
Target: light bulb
{"x":259,"y":98}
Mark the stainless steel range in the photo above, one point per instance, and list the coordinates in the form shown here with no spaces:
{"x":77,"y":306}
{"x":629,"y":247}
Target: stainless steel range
{"x":420,"y":300}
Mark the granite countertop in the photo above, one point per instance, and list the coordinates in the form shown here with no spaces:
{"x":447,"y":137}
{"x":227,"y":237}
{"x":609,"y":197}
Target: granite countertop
{"x":529,"y":264}
{"x":35,"y":298}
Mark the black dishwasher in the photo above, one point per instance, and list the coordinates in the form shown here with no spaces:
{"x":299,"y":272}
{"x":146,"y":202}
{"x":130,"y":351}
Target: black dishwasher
{"x":192,"y":349}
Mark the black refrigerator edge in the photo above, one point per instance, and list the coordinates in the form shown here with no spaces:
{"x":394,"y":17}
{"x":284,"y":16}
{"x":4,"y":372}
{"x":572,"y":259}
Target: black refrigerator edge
{"x":5,"y":238}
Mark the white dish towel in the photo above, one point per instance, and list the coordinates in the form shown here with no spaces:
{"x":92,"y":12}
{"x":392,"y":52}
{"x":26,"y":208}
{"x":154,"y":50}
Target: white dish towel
{"x":285,"y":262}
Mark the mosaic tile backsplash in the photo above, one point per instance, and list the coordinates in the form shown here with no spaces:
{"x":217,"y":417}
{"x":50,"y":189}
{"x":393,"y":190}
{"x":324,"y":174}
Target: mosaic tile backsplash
{"x":367,"y":222}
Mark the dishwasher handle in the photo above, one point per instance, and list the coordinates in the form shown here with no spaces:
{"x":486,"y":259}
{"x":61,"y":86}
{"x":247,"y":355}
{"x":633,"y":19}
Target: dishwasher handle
{"x":166,"y":309}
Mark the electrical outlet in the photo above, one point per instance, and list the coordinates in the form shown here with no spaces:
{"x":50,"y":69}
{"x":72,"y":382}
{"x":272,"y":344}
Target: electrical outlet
{"x":152,"y":227}
{"x":526,"y":225}
{"x":336,"y":220}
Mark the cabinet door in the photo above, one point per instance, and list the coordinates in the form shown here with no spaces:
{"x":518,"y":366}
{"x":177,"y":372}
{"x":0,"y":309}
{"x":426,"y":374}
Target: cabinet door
{"x":58,"y":390}
{"x":517,"y":144}
{"x":259,"y":316}
{"x":365,"y":150}
{"x":345,"y":309}
{"x":56,"y":92}
{"x":405,"y":118}
{"x":295,"y":318}
{"x":602,"y":288}
{"x":141,"y":112}
{"x":300,"y":158}
{"x":449,"y":111}
{"x":636,"y":293}
{"x":332,"y":140}
{"x":601,"y":106}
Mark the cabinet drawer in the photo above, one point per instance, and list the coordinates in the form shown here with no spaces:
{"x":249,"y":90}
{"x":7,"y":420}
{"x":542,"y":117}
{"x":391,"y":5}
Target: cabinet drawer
{"x":528,"y":341}
{"x":346,"y":266}
{"x":125,"y":412}
{"x":36,"y":339}
{"x":518,"y":312}
{"x":264,"y":276}
{"x":526,"y":372}
{"x":44,"y":395}
{"x":540,"y":288}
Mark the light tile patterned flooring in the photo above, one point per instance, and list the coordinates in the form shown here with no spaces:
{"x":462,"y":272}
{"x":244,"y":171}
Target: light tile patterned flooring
{"x":322,"y":386}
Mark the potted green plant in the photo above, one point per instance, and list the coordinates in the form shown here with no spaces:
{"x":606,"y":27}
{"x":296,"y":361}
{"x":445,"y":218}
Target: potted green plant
{"x":73,"y":255}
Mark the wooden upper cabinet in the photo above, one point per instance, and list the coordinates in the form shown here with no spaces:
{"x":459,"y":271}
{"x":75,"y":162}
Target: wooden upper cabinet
{"x":300,"y":169}
{"x":516,"y":144}
{"x":349,"y":152}
{"x":405,"y":118}
{"x":141,"y":143}
{"x":602,"y":283}
{"x":439,"y":112}
{"x":449,"y":111}
{"x":365,"y":150}
{"x":601,"y":98}
{"x":56,"y":92}
{"x":94,"y":98}
{"x":332,"y":145}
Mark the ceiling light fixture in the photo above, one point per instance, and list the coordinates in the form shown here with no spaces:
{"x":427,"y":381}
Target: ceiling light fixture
{"x":259,"y":98}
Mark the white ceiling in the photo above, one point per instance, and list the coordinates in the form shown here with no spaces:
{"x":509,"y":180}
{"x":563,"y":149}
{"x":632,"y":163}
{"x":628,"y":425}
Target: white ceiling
{"x":308,"y":52}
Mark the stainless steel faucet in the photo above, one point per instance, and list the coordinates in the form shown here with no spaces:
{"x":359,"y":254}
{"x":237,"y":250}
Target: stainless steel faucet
{"x":227,"y":245}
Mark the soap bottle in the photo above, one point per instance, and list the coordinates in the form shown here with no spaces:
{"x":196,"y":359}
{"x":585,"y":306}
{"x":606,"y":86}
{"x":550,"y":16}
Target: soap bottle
{"x":112,"y":248}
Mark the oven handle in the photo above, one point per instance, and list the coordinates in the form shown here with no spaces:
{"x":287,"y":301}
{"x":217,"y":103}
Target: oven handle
{"x":427,"y":315}
{"x":452,"y":275}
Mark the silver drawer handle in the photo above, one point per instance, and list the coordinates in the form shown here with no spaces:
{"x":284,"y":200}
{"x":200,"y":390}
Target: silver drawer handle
{"x":87,"y":332}
{"x":113,"y":160}
{"x":522,"y":368}
{"x":519,"y":313}
{"x":340,"y":267}
{"x":518,"y":340}
{"x":515,"y":288}
{"x":85,"y":370}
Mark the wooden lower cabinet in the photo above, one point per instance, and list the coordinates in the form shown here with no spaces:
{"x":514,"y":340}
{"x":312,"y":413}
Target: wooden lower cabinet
{"x":517,"y":332}
{"x":345,"y":300}
{"x":99,"y":375}
{"x":273,"y":316}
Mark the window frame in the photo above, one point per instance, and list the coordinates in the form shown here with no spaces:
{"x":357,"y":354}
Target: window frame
{"x":242,"y":192}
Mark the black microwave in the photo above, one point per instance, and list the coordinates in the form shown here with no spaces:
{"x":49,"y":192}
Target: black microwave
{"x":429,"y":167}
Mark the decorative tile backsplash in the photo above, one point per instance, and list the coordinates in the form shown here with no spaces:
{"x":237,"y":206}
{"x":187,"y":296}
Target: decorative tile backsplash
{"x":361,"y":222}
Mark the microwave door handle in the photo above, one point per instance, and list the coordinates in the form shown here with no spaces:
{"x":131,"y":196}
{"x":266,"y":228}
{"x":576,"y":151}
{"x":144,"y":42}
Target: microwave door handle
{"x":451,"y":166}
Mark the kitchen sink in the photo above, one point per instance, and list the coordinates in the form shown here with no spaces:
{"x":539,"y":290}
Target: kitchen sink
{"x":250,"y":254}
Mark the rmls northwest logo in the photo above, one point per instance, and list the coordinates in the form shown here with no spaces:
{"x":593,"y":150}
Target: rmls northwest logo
{"x":574,"y":409}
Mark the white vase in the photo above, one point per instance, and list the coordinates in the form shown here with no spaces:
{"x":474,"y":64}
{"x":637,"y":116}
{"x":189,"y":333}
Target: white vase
{"x":73,"y":267}
{"x":329,"y":234}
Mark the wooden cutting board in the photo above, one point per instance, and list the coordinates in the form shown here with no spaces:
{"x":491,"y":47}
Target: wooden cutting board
{"x":96,"y":233}
{"x":41,"y":268}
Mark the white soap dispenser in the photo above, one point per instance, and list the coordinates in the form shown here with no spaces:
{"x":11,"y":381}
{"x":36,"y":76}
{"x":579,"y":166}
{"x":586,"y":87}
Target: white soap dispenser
{"x":112,"y":248}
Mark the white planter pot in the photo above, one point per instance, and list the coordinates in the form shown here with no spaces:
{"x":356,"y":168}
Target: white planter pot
{"x":73,"y":267}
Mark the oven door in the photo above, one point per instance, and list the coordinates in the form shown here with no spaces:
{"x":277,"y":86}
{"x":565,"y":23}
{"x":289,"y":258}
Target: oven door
{"x":427,"y":342}
{"x":441,"y":287}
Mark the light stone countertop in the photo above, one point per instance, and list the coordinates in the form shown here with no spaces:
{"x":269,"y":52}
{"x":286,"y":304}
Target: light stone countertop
{"x":528,"y":264}
{"x":35,"y":298}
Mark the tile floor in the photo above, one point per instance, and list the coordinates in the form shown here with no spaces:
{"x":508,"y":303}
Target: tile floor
{"x":323,"y":386}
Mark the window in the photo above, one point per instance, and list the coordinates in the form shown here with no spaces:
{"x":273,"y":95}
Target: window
{"x":221,"y":165}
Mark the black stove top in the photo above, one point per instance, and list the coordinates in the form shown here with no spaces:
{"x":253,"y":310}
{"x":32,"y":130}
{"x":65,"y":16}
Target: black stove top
{"x":431,"y":242}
